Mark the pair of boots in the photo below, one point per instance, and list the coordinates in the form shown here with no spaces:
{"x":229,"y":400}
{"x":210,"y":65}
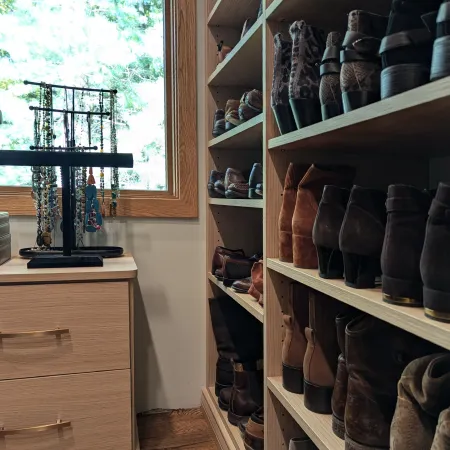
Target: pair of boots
{"x":416,"y":254}
{"x":232,"y":184}
{"x":303,"y":188}
{"x":348,"y":233}
{"x":310,"y":348}
{"x":422,"y":416}
{"x":370,"y":366}
{"x":239,"y":375}
{"x":295,"y":87}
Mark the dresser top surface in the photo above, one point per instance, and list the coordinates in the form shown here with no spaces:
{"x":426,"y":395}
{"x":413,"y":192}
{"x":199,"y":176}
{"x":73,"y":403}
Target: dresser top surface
{"x":16,"y":271}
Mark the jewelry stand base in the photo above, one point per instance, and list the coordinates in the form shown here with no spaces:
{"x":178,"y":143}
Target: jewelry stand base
{"x":104,"y":252}
{"x":60,"y":261}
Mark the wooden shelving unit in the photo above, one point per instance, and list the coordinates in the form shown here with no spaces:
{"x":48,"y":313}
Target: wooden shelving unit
{"x":245,"y":300}
{"x":392,"y":141}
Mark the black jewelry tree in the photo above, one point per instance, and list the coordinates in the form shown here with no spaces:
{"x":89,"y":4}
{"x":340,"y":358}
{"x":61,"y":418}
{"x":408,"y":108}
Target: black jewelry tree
{"x":68,"y":158}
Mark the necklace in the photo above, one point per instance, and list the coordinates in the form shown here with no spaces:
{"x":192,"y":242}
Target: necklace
{"x":114,"y":170}
{"x":102,"y":169}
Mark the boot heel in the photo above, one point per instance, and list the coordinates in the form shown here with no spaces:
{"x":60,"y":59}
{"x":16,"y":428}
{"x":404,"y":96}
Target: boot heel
{"x":318,"y":398}
{"x":402,"y":78}
{"x":285,"y":242}
{"x":306,"y":111}
{"x":436,"y":305}
{"x":402,"y":292}
{"x":293,"y":379}
{"x":361,"y":271}
{"x":338,"y":426}
{"x":357,"y":99}
{"x":331,"y":110}
{"x":285,"y":118}
{"x":305,"y":253}
{"x":440,"y":66}
{"x":331,"y":263}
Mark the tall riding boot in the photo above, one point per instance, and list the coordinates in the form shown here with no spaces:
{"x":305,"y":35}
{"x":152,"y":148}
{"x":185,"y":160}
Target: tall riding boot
{"x":362,"y":235}
{"x":308,"y":45}
{"x":407,"y":209}
{"x":326,"y":230}
{"x":280,"y":85}
{"x":295,"y":319}
{"x":361,"y":64}
{"x":442,"y":437}
{"x":238,"y":336}
{"x":435,"y":260}
{"x":294,"y":175}
{"x":321,"y":358}
{"x":330,"y":78}
{"x":339,"y":398}
{"x":407,"y":48}
{"x":247,"y":395}
{"x":423,"y":392}
{"x":309,"y":193}
{"x":377,"y":354}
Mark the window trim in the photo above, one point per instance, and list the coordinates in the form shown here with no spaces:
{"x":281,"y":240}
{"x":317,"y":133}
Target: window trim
{"x":181,"y":198}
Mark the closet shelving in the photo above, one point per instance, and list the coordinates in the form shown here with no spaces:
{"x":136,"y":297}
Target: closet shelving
{"x":392,"y":141}
{"x":239,"y":203}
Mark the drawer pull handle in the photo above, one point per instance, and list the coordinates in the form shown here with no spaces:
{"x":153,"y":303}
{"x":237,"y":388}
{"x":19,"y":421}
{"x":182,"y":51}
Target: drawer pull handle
{"x":55,"y":332}
{"x":54,"y":426}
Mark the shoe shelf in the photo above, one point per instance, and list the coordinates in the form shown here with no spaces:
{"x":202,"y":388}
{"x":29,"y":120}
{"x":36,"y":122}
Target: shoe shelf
{"x":393,"y":125}
{"x":369,"y":301}
{"x":316,"y":426}
{"x":245,"y":300}
{"x":227,"y":435}
{"x":243,"y":65}
{"x":237,"y":203}
{"x":245,"y":136}
{"x":312,"y":11}
{"x":232,"y":13}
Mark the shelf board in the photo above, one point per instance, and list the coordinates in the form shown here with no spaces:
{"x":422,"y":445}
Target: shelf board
{"x":412,"y":122}
{"x":227,"y":435}
{"x":247,"y":136}
{"x":243,"y":65}
{"x":233,"y":13}
{"x":316,"y":426}
{"x":237,"y":203}
{"x":369,"y":301}
{"x":245,"y":300}
{"x":312,"y":11}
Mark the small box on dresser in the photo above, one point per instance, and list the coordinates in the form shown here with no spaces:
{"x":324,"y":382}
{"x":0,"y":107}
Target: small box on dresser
{"x":66,"y":357}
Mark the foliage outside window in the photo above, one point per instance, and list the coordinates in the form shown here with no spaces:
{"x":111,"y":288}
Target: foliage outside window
{"x":133,"y":46}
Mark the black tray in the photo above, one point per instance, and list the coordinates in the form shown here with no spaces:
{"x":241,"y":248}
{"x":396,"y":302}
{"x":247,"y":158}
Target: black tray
{"x":105,"y":252}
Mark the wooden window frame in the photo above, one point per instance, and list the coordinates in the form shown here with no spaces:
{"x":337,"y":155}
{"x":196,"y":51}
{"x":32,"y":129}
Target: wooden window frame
{"x":181,"y":198}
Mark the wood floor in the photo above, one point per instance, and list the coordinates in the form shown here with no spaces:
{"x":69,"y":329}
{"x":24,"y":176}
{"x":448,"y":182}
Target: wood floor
{"x":181,"y":430}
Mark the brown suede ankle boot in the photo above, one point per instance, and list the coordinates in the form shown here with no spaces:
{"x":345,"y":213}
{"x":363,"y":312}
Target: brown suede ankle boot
{"x":407,"y":209}
{"x":294,"y":175}
{"x":423,"y":392}
{"x":362,"y":235}
{"x":247,"y":395}
{"x":309,"y":193}
{"x":435,"y":260}
{"x":377,"y":354}
{"x":322,"y":352}
{"x":294,"y":346}
{"x":442,"y":437}
{"x":326,"y":230}
{"x":339,"y":398}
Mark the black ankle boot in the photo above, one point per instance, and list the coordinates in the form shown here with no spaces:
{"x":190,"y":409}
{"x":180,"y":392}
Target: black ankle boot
{"x":406,"y":49}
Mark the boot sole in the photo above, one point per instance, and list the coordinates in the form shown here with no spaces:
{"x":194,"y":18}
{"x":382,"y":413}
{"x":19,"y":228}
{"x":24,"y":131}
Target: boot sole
{"x":318,"y":398}
{"x":352,"y":445}
{"x":293,"y":379}
{"x":234,"y":419}
{"x":223,"y":406}
{"x":436,"y":305}
{"x":253,"y":194}
{"x":234,"y":194}
{"x":338,"y":426}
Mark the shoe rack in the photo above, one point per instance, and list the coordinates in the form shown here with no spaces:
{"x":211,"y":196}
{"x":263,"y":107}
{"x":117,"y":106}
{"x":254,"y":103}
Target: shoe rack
{"x":392,"y":141}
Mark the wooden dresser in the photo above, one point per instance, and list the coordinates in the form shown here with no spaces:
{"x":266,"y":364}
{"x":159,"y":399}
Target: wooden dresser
{"x":66,"y":357}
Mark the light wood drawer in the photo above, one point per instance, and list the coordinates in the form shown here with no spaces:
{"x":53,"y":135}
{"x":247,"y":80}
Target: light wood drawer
{"x":96,"y":315}
{"x":97,"y":405}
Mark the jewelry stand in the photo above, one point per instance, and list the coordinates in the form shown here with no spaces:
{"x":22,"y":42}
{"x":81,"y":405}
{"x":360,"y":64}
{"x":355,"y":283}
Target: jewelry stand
{"x":66,"y":160}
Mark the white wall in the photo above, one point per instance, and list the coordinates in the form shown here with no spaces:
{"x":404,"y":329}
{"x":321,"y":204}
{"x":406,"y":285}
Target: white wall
{"x":171,"y":299}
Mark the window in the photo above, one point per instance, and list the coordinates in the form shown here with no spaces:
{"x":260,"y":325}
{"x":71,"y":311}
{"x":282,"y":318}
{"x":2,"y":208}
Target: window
{"x":146,"y":50}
